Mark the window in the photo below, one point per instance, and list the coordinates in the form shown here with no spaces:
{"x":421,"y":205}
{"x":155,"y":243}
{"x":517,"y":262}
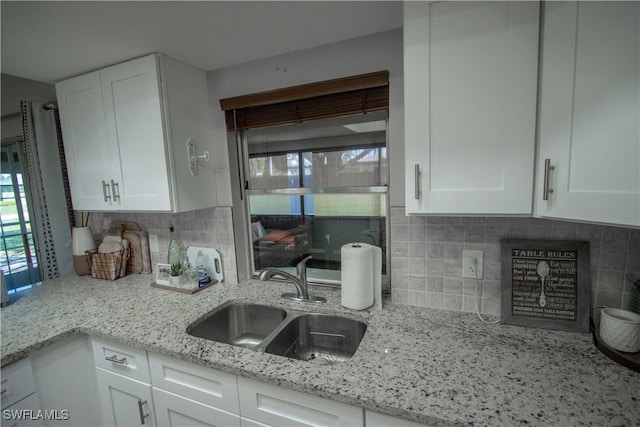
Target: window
{"x":312,"y":189}
{"x":312,"y":163}
{"x":17,"y":247}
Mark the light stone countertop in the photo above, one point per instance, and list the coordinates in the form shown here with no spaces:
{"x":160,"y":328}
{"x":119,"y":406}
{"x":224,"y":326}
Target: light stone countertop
{"x":433,"y":366}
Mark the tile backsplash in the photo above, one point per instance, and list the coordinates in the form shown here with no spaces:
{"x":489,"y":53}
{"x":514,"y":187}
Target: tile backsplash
{"x":426,"y":258}
{"x":426,"y":252}
{"x":210,"y":228}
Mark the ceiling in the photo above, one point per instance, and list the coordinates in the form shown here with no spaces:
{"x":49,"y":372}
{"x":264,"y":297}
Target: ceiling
{"x":49,"y":41}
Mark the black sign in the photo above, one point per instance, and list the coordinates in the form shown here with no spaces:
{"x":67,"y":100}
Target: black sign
{"x":546,"y":284}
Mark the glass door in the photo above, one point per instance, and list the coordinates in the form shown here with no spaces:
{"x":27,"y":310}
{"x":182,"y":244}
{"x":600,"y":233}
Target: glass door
{"x":17,"y":247}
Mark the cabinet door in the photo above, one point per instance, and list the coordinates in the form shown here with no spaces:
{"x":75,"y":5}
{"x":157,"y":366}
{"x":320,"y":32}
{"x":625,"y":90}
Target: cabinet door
{"x":135,"y":129}
{"x":16,"y":414}
{"x":470,"y":78}
{"x":17,"y":382}
{"x":173,"y":410}
{"x":278,"y":406}
{"x":65,"y":379}
{"x":86,"y":145}
{"x":589,"y":109}
{"x":124,"y":401}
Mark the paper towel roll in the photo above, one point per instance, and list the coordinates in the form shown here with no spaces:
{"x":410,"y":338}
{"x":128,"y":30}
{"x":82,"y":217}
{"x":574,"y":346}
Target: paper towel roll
{"x":361,"y":275}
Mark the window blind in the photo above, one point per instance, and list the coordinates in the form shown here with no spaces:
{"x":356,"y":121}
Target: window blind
{"x":332,"y":98}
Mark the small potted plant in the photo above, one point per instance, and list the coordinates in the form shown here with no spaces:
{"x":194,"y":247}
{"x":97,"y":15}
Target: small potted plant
{"x":176,"y":271}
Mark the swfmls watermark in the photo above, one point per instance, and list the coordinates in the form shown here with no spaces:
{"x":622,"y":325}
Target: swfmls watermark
{"x":36,"y":414}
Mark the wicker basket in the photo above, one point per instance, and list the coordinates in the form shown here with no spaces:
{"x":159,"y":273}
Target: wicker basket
{"x":108,"y":266}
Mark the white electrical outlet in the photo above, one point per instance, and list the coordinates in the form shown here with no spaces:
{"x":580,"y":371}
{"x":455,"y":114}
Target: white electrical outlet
{"x":470,"y":259}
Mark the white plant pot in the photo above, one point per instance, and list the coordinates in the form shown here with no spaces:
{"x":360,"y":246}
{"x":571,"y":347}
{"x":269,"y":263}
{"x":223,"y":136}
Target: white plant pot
{"x":620,"y":329}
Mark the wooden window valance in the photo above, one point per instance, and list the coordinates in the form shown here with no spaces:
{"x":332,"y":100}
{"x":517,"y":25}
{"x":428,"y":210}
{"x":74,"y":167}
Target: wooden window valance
{"x":331,"y":98}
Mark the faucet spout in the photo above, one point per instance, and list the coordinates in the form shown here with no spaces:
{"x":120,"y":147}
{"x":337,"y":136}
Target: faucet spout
{"x":299,"y":281}
{"x":268,"y":273}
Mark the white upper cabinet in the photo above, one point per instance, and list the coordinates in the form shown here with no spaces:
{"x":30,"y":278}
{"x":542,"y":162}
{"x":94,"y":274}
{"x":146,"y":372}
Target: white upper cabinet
{"x":133,"y":113}
{"x":470,"y":76}
{"x":85,"y":139}
{"x":589,"y":113}
{"x":126,"y":129}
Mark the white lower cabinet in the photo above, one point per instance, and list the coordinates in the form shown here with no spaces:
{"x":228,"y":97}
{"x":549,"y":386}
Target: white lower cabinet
{"x":173,"y":410}
{"x":65,"y":379}
{"x":373,"y":419}
{"x":246,"y":422}
{"x":20,"y":404}
{"x":122,"y":359}
{"x":124,"y":401}
{"x":185,"y":394}
{"x":277,"y":406}
{"x":17,"y":382}
{"x":19,"y":414}
{"x":205,"y":385}
{"x":152,"y":389}
{"x":123,"y":382}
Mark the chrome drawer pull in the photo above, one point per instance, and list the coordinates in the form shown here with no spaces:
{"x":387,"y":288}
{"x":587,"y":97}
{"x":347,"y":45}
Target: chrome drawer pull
{"x":106,"y":192}
{"x":115,"y":189}
{"x":4,"y":391}
{"x":115,"y":359}
{"x":142,"y":414}
{"x":417,"y":183}
{"x":546,"y":190}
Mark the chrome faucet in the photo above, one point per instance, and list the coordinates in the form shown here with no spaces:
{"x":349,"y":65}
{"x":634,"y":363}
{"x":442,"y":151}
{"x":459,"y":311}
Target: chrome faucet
{"x":299,"y":280}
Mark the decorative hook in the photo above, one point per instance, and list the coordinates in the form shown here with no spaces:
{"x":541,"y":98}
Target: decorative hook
{"x":193,"y":158}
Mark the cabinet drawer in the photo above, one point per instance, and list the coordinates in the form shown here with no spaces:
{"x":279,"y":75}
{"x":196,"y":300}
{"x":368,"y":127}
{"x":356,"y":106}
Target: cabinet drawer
{"x":275,"y":405}
{"x":121,"y":358}
{"x":17,"y":382}
{"x":206,"y":385}
{"x":246,"y":422}
{"x":373,"y":419}
{"x":176,"y":411}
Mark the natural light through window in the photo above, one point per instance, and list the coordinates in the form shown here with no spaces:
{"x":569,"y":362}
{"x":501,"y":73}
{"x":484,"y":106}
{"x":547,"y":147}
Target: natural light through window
{"x":313,"y":188}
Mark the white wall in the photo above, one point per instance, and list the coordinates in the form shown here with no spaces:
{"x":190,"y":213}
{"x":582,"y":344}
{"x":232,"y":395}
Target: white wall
{"x":16,"y":89}
{"x":378,"y":52}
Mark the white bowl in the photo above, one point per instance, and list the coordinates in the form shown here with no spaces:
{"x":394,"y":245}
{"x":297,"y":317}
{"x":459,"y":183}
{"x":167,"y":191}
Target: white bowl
{"x":620,"y":329}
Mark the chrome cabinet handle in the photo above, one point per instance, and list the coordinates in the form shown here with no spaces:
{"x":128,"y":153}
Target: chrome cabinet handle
{"x":115,"y":189}
{"x":417,"y":181}
{"x":142,"y":414}
{"x":106,"y":192}
{"x":115,"y":359}
{"x":547,"y":171}
{"x":4,"y":391}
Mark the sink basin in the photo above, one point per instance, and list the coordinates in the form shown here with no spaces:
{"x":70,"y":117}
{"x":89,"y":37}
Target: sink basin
{"x":240,"y":324}
{"x":319,"y":338}
{"x":315,"y":337}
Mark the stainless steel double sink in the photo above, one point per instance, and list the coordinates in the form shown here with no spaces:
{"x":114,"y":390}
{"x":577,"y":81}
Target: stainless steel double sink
{"x":301,"y":335}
